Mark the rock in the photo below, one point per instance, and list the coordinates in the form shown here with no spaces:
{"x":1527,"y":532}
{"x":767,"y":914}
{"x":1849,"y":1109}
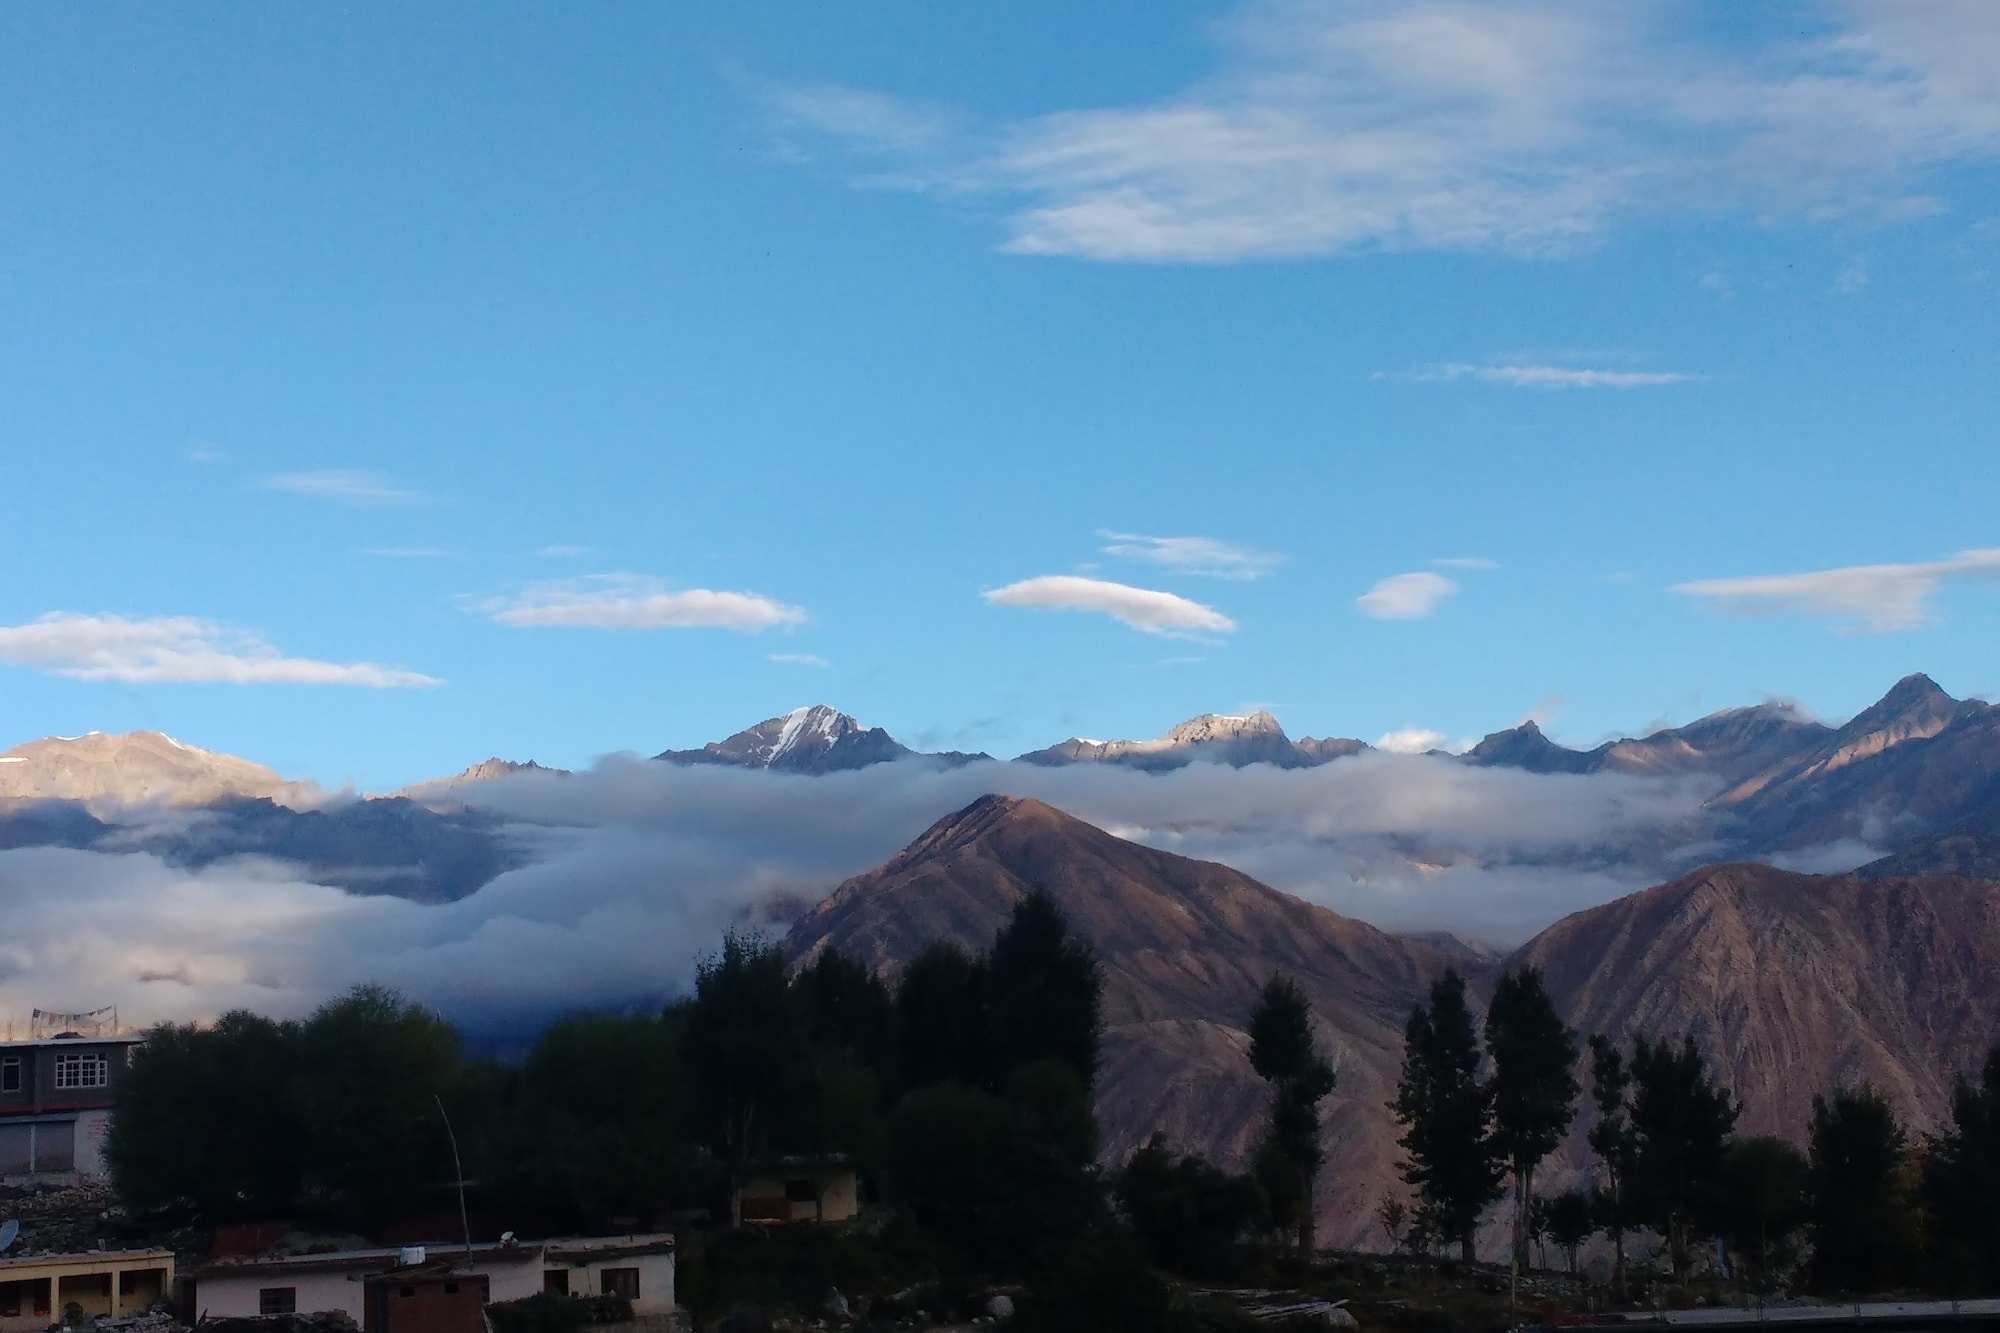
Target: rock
{"x":1340,"y":1317}
{"x":1000,"y":1306}
{"x":836,"y":1306}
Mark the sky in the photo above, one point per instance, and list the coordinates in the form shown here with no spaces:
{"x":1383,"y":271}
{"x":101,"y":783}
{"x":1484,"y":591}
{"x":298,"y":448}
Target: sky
{"x":384,"y":387}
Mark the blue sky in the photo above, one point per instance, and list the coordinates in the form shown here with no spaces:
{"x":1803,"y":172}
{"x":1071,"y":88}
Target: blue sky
{"x":386,"y":387}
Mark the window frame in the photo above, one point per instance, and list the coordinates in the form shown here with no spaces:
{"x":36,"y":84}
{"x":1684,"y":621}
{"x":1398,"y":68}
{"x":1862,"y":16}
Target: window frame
{"x":10,"y":1073}
{"x":71,"y":1067}
{"x":614,"y":1281}
{"x":277,"y":1300}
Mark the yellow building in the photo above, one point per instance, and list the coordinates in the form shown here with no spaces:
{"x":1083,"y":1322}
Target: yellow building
{"x":36,"y":1289}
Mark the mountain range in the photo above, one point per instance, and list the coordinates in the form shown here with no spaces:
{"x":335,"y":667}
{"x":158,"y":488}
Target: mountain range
{"x":1912,"y":783}
{"x":1793,"y":983}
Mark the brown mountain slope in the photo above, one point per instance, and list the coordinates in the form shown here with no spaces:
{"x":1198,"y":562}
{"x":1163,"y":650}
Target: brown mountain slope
{"x":1185,"y":946}
{"x":1795,"y":983}
{"x":135,"y":768}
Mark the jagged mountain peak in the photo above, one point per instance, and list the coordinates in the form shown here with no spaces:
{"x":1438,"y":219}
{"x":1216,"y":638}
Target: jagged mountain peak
{"x":1227,"y":738}
{"x":1222,"y":726}
{"x":817,"y":738}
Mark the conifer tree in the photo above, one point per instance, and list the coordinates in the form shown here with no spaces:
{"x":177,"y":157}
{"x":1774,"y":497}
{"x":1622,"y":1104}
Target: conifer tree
{"x":1447,"y":1115}
{"x":1533,"y":1086}
{"x":1284,"y":1055}
{"x":1961,"y":1186}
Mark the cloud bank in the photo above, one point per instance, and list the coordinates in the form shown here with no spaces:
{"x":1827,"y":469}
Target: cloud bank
{"x":1142,"y":608}
{"x":637,"y":867}
{"x":176,"y":650}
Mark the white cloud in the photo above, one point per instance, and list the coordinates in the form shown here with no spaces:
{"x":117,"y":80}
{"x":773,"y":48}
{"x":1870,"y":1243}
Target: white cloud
{"x":1406,"y":596}
{"x":1543,"y":377}
{"x":799,"y":659}
{"x":1876,"y":599}
{"x":177,"y":649}
{"x":352,"y":488}
{"x":1193,"y":555}
{"x":1141,"y":608}
{"x":631,"y":601}
{"x":562,"y":552}
{"x":1466,"y":562}
{"x":1410,"y":740}
{"x":1529,"y":126}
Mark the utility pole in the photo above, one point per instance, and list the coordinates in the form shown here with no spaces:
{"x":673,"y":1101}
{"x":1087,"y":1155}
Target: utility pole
{"x":458,"y":1175}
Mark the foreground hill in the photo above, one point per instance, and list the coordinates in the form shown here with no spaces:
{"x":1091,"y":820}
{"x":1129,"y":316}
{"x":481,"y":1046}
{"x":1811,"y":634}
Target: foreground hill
{"x":1795,"y":983}
{"x":1185,"y":945}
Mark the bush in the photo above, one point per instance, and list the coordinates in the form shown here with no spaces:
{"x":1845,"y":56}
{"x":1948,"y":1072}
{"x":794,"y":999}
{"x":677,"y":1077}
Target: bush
{"x":546,"y":1312}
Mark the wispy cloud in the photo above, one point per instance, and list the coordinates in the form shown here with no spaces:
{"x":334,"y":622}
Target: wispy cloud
{"x":342,"y":487}
{"x":562,"y":552}
{"x":1142,"y":608}
{"x":1540,"y":376}
{"x":1206,"y":556}
{"x":177,"y":649}
{"x":633,"y":601}
{"x":1410,"y":596}
{"x":799,"y":659}
{"x":1875,"y":599}
{"x":1329,"y":126}
{"x":1466,"y":562}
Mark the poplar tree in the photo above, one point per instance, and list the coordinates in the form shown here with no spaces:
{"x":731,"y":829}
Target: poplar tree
{"x":1961,"y":1185}
{"x":1447,"y":1115}
{"x":1283,"y":1053}
{"x":1533,"y":1086}
{"x":1612,"y":1139}
{"x":1861,"y":1221}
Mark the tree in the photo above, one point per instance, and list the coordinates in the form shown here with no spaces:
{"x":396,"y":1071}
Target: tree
{"x":1681,"y":1122}
{"x":848,"y":1010}
{"x":1283,"y":1053}
{"x":745,"y":1049}
{"x":1533,"y":1087}
{"x":1446,"y":1112}
{"x":1569,"y":1222}
{"x":1762,"y":1207}
{"x":1044,"y":992}
{"x":373,"y":1069}
{"x":1394,"y":1216}
{"x":208,"y":1119}
{"x":941,"y":1026}
{"x":1612,"y":1139}
{"x":1190,"y":1215}
{"x":1862,"y":1226}
{"x":1961,"y":1186}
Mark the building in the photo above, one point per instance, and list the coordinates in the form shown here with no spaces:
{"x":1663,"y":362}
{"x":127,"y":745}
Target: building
{"x":437,"y":1278}
{"x":639,"y":1268}
{"x":800,"y":1189}
{"x":55,"y":1103}
{"x":431,"y":1288}
{"x":36,"y":1289}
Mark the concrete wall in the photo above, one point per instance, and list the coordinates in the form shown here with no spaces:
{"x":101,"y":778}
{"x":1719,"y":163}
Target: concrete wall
{"x":837,"y":1196}
{"x":235,"y":1295}
{"x":34,"y":1290}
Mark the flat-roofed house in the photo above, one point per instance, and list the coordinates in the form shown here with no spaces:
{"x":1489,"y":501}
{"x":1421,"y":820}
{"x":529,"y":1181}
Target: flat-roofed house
{"x":55,"y":1103}
{"x":37,"y":1289}
{"x":379,"y":1289}
{"x":639,"y":1268}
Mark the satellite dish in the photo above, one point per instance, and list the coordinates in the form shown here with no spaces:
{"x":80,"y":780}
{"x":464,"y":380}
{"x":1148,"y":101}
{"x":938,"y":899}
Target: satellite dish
{"x":9,"y":1230}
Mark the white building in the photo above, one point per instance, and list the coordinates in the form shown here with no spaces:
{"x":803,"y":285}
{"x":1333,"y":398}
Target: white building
{"x":639,"y":1268}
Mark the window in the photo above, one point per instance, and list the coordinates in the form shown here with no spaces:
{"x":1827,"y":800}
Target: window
{"x":622,"y":1282}
{"x":801,"y":1191}
{"x":10,"y":1074}
{"x":82,"y":1071}
{"x":278,"y":1300}
{"x":451,"y":1289}
{"x":556,"y":1281}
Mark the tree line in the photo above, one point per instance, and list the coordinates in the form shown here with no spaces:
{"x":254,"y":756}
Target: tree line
{"x":1865,"y":1206}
